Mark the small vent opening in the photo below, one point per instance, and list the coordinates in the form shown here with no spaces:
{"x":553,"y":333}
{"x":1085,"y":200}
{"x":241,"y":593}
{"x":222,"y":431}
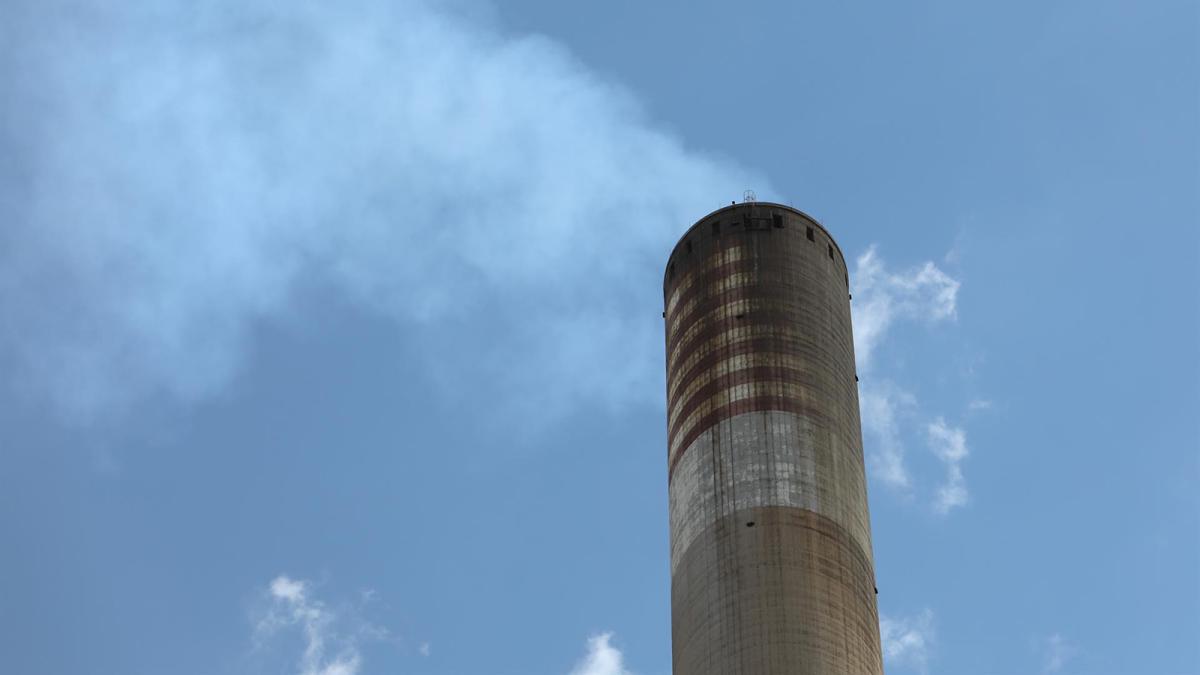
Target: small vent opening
{"x":716,"y":228}
{"x":828,"y":247}
{"x":809,"y":234}
{"x":689,"y":247}
{"x":750,"y":524}
{"x":777,"y":220}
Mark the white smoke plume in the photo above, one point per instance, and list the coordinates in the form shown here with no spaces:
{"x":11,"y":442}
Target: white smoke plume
{"x":174,"y":170}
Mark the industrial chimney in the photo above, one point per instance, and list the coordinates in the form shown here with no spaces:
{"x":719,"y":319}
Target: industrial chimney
{"x":771,"y":564}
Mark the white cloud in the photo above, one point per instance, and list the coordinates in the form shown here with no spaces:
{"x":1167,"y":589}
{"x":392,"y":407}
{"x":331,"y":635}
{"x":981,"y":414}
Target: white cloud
{"x":907,"y":641}
{"x":284,"y":588}
{"x":602,"y":658}
{"x":425,"y":649}
{"x":332,"y":640}
{"x":881,"y":298}
{"x":882,"y":406}
{"x":183,"y":172}
{"x":979,"y":404}
{"x":1056,"y":653}
{"x":950,"y":445}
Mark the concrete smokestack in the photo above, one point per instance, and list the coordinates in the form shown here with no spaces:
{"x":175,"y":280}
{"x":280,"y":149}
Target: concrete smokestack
{"x":771,"y":565}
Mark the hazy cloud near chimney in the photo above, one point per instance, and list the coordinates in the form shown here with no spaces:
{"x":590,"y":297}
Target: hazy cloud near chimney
{"x":174,"y":170}
{"x":907,"y":641}
{"x":881,"y":298}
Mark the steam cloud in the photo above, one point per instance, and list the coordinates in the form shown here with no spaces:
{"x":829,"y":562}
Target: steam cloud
{"x":174,"y":170}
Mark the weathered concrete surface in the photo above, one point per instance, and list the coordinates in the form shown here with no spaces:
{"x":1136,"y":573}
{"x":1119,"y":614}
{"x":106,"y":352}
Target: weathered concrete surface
{"x":770,"y":535}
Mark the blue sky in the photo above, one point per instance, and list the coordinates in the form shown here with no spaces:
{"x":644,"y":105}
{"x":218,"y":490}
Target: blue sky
{"x":331,"y":334}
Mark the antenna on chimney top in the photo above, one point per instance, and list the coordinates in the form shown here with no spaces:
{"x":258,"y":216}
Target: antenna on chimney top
{"x":748,"y":196}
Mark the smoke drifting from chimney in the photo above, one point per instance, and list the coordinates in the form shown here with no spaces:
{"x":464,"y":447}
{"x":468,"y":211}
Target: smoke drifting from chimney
{"x":173,"y":171}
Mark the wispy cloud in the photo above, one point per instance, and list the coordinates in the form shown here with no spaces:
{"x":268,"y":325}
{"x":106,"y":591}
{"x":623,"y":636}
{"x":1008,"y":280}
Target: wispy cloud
{"x":908,"y":641}
{"x":332,"y":640}
{"x":1057,"y":652}
{"x":950,"y":445}
{"x":882,"y":298}
{"x":883,"y":404}
{"x":602,"y":658}
{"x":979,"y":405}
{"x":173,"y":172}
